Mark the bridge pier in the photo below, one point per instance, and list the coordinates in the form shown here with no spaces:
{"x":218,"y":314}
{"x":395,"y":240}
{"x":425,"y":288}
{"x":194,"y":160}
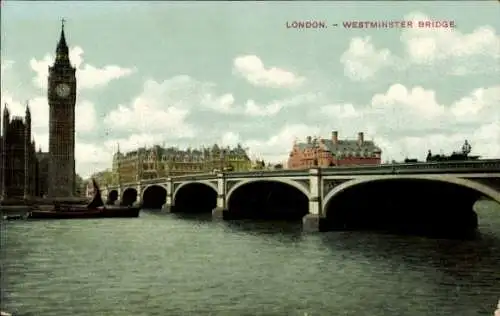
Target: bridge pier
{"x":220,"y":211}
{"x":168,"y":207}
{"x":316,"y":220}
{"x":312,"y":221}
{"x":138,"y":201}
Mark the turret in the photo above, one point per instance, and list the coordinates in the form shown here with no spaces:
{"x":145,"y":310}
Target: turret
{"x":5,"y":120}
{"x":27,"y":119}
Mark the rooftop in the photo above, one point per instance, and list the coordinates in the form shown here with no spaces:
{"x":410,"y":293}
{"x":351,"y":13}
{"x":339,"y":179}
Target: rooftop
{"x":335,"y":145}
{"x":175,"y":152}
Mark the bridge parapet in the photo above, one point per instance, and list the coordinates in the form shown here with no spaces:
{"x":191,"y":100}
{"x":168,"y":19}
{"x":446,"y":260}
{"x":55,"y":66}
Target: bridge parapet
{"x":153,"y":181}
{"x":195,"y":177}
{"x":267,"y":173}
{"x":127,"y":185}
{"x":492,"y":165}
{"x":458,"y":165}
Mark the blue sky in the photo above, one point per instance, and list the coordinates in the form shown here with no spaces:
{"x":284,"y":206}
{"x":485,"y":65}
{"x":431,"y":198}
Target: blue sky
{"x":191,"y":74}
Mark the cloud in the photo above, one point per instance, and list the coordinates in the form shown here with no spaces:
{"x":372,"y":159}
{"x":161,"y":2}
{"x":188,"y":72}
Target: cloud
{"x":230,"y":139}
{"x":344,"y":111}
{"x":221,"y":104}
{"x":481,"y":104}
{"x":161,"y":107}
{"x":485,"y":142}
{"x":253,"y":70}
{"x":6,"y":65}
{"x":452,"y":51}
{"x":405,"y":108}
{"x":252,"y":108}
{"x":134,"y":141}
{"x":275,"y":149}
{"x":87,"y":76}
{"x":85,"y":117}
{"x":362,"y":60}
{"x":403,"y":121}
{"x":428,"y":45}
{"x":415,"y":110}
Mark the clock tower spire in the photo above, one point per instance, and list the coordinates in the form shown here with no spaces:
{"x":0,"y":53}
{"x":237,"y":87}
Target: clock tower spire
{"x":62,"y":51}
{"x":62,"y":100}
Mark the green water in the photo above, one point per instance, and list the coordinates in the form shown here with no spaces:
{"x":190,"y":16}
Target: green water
{"x":170,"y":265}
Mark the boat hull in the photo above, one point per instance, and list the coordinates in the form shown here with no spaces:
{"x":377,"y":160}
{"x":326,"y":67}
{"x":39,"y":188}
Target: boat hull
{"x":78,"y":213}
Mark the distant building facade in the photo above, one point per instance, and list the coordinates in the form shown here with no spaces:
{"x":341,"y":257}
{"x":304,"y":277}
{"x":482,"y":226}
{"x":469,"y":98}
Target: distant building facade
{"x":157,"y":162}
{"x":20,"y":176}
{"x":318,"y":152}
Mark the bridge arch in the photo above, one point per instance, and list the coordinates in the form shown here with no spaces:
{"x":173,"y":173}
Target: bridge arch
{"x":481,"y":188}
{"x":112,"y":197}
{"x":129,"y":196}
{"x":289,"y":182}
{"x":422,"y":204}
{"x":195,"y":197}
{"x":268,"y":198}
{"x":154,"y":196}
{"x":209,"y":184}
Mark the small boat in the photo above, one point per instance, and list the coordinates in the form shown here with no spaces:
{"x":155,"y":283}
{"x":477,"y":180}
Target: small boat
{"x":95,"y":209}
{"x":14,"y":217}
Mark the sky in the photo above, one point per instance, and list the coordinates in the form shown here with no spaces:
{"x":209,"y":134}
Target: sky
{"x":190,"y":74}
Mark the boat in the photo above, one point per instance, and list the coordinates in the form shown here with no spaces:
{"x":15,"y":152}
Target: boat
{"x":95,"y":209}
{"x":14,"y":217}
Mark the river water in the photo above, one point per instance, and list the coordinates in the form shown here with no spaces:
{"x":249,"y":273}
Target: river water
{"x":170,"y":265}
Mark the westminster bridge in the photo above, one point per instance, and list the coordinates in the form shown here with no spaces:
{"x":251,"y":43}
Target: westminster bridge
{"x":439,"y":194}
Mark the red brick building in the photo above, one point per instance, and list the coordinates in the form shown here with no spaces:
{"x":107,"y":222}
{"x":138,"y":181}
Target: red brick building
{"x":334,"y":152}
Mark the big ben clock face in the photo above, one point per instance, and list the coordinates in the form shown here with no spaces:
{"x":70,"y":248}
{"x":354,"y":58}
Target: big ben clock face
{"x":62,"y":90}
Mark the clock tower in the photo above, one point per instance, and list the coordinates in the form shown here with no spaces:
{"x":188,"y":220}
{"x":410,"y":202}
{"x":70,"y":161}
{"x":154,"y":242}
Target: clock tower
{"x":62,"y":100}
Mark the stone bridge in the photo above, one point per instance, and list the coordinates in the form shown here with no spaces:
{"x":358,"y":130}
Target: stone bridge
{"x":328,"y":198}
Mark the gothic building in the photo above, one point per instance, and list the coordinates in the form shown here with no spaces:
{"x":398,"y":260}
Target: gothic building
{"x":19,"y":176}
{"x":62,"y":100}
{"x":26,"y":173}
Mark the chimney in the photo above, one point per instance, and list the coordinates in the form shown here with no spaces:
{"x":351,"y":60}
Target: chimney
{"x":361,"y":138}
{"x":335,"y":137}
{"x":309,"y":139}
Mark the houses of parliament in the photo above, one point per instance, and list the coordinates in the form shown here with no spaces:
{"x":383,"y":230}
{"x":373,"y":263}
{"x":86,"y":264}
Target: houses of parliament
{"x":25,"y":173}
